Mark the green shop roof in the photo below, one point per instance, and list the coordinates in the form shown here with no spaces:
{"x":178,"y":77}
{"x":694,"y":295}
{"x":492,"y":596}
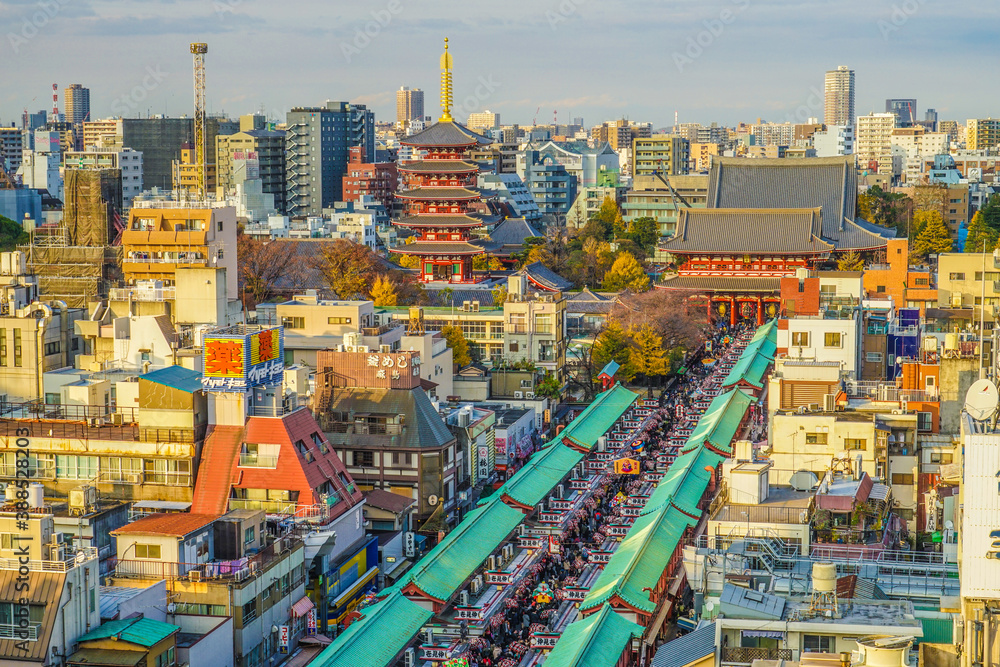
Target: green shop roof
{"x":385,"y":629}
{"x":542,"y":472}
{"x":142,"y":631}
{"x":639,"y":560}
{"x":454,"y":559}
{"x":721,"y":421}
{"x":599,"y":416}
{"x":684,"y":484}
{"x":594,"y":641}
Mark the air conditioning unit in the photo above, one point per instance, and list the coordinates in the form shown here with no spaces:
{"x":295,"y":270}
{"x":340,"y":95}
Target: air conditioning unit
{"x":897,"y":412}
{"x":117,"y":419}
{"x":194,"y":575}
{"x":463,"y":598}
{"x":529,"y":394}
{"x":57,"y":552}
{"x":560,"y":491}
{"x":476,"y":585}
{"x":602,"y":443}
{"x":518,"y":394}
{"x":491,"y":562}
{"x":802,"y":409}
{"x":409,"y":657}
{"x":904,"y":405}
{"x":829,"y":402}
{"x":385,"y":349}
{"x":804,"y":516}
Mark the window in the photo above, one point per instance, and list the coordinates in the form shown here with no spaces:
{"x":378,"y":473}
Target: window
{"x":219,"y":227}
{"x":3,"y":347}
{"x":76,"y":467}
{"x":855,"y":444}
{"x":800,"y":338}
{"x":248,"y":536}
{"x":941,"y":457}
{"x":168,"y":471}
{"x":543,"y":324}
{"x":293,"y":322}
{"x":831,"y":339}
{"x":828,"y":289}
{"x":166,"y":659}
{"x":249,"y":611}
{"x":925,"y":421}
{"x":904,"y":479}
{"x":17,"y":348}
{"x":880,"y":289}
{"x":52,"y":348}
{"x":147,"y":550}
{"x":338,"y":320}
{"x":873,"y":357}
{"x":921,"y":282}
{"x":402,"y":458}
{"x":817,"y":644}
{"x":816,"y":438}
{"x":121,"y":469}
{"x":366,"y":459}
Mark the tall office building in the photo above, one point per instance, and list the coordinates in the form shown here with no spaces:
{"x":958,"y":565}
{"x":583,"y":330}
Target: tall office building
{"x":76,"y":99}
{"x":265,"y":148}
{"x":318,"y":141}
{"x":838,"y":108}
{"x":409,"y":105}
{"x":905,"y":110}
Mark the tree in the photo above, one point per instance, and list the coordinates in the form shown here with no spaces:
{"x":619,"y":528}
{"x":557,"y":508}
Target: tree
{"x":499,"y":295}
{"x":408,"y":261}
{"x":645,"y":231}
{"x":647,"y":355}
{"x":262,"y":264}
{"x":484,"y":262}
{"x":613,"y":344}
{"x":851,"y":261}
{"x":626,"y":273}
{"x":980,"y":236}
{"x":991,"y":213}
{"x":666,"y":311}
{"x":349,"y":268}
{"x":384,"y":292}
{"x":921,"y":218}
{"x":619,"y":226}
{"x":934,"y":237}
{"x":459,"y":345}
{"x":549,"y":387}
{"x":12,"y":234}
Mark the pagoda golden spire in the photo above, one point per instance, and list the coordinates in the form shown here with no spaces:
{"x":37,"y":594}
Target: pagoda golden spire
{"x":446,"y":93}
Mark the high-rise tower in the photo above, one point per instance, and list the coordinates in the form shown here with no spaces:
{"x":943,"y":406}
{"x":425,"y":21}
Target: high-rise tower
{"x":839,"y":93}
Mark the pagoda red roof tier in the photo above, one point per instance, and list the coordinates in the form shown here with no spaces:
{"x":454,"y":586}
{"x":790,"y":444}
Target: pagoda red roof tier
{"x":439,"y":167}
{"x":439,"y":221}
{"x":430,"y":193}
{"x":439,"y":248}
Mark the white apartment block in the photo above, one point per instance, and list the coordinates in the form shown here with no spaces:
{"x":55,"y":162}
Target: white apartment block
{"x":874,"y":142}
{"x":833,"y":141}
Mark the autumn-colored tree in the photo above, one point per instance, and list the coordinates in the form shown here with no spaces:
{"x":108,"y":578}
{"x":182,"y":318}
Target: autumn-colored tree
{"x":499,"y":294}
{"x":626,"y":273}
{"x":408,"y":261}
{"x":647,"y":355}
{"x":262,"y":264}
{"x":484,"y":262}
{"x":619,"y":226}
{"x":596,"y":260}
{"x":850,"y":261}
{"x":349,"y":268}
{"x":934,"y":237}
{"x":980,"y":237}
{"x":664,"y":310}
{"x":384,"y":292}
{"x":613,"y":344}
{"x":459,"y":345}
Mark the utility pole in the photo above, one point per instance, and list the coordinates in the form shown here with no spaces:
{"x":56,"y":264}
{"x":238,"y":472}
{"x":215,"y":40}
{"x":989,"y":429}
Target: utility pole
{"x":199,"y":50}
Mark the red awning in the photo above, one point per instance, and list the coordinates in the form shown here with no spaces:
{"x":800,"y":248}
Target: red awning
{"x":302,"y":607}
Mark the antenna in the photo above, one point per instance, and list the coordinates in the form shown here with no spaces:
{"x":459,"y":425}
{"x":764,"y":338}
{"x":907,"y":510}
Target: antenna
{"x":981,"y":400}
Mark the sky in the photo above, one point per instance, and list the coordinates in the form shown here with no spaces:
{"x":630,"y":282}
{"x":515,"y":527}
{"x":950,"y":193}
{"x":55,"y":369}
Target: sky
{"x":705,"y":60}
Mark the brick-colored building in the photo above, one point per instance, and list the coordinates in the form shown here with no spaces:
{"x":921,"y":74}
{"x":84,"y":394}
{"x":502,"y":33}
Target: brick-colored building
{"x":908,"y":286}
{"x":376,"y":179}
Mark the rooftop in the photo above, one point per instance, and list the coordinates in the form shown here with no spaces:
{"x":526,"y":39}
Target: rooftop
{"x":176,"y":525}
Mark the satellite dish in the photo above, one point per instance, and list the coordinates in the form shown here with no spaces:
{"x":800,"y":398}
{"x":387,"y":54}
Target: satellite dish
{"x":171,"y":608}
{"x":803,"y":480}
{"x":709,"y":606}
{"x":981,"y":400}
{"x":432,"y":500}
{"x":949,"y":525}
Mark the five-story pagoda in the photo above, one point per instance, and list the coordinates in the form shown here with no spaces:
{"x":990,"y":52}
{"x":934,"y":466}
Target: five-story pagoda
{"x":439,"y":190}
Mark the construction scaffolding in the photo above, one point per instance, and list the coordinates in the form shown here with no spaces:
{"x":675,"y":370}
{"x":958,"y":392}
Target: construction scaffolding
{"x":78,"y":260}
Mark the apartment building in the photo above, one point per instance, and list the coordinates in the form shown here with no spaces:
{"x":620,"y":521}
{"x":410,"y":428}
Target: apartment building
{"x":252,"y":154}
{"x":773,"y":134}
{"x":49,"y":591}
{"x":701,"y":156}
{"x":982,"y":133}
{"x":660,"y":153}
{"x":11,"y":148}
{"x":377,"y":180}
{"x":125,"y":159}
{"x":833,"y":141}
{"x":662,"y":199}
{"x":914,"y":145}
{"x":317,"y":151}
{"x":165,"y":236}
{"x":222,"y":566}
{"x":409,"y":106}
{"x":483,"y":120}
{"x":873,"y":145}
{"x":838,"y":102}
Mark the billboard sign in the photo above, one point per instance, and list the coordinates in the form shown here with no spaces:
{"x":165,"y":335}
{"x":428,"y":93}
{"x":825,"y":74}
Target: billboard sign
{"x":237,"y":361}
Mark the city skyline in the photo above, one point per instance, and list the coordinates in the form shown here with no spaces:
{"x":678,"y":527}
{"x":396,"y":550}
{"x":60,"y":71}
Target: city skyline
{"x":689,"y":47}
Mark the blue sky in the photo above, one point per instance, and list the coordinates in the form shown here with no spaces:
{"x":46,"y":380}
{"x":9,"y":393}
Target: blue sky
{"x":709,"y":60}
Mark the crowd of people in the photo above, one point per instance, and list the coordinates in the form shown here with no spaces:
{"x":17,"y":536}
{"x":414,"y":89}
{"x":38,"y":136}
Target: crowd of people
{"x":534,"y":604}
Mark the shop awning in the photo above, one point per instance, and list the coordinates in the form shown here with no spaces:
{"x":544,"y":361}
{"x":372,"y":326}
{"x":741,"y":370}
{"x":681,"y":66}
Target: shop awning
{"x":302,"y":607}
{"x":769,"y":634}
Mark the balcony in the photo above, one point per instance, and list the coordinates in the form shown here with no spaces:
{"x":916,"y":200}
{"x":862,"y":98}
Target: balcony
{"x":241,"y":570}
{"x":744,"y":656}
{"x":257,"y":461}
{"x":888,"y":392}
{"x":18,"y":633}
{"x":145,"y":295}
{"x":72,"y":558}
